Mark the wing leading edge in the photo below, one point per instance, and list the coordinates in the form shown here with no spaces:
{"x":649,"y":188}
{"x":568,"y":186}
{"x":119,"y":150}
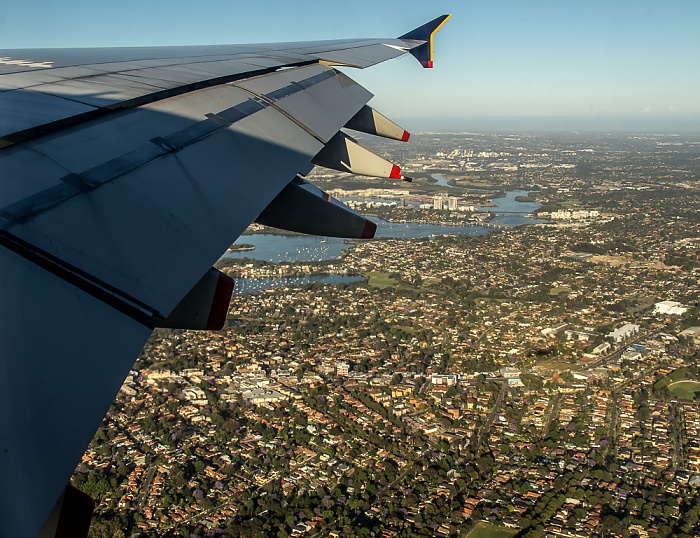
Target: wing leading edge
{"x":118,"y":165}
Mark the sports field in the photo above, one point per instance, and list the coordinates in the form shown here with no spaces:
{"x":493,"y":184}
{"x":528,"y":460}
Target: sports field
{"x":685,"y":390}
{"x":484,"y":530}
{"x":380,"y":279}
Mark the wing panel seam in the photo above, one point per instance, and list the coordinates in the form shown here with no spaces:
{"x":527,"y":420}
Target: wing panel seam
{"x":46,"y":128}
{"x":74,"y":184}
{"x":102,"y":291}
{"x":271,"y":98}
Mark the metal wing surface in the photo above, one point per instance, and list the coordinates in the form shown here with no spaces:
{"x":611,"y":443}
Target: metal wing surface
{"x":124,"y":175}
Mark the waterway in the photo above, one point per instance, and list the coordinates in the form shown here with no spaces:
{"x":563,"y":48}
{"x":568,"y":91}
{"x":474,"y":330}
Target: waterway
{"x":441,"y":181}
{"x":277,"y":248}
{"x":510,"y":212}
{"x":509,"y":204}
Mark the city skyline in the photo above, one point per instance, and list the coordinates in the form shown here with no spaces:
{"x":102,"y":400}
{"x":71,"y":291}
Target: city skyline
{"x":574,"y":67}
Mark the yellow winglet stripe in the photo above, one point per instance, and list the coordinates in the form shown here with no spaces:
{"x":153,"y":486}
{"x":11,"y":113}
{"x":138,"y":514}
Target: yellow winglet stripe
{"x":434,"y":32}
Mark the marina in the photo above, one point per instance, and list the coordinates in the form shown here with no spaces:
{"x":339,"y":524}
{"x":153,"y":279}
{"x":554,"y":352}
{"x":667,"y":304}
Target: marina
{"x":278,"y":248}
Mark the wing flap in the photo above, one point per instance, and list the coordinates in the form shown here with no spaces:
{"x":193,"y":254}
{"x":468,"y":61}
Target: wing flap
{"x":311,"y":96}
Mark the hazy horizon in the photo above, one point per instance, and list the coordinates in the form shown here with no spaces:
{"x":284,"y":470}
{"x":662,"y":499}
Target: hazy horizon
{"x":492,"y":59}
{"x":556,"y":124}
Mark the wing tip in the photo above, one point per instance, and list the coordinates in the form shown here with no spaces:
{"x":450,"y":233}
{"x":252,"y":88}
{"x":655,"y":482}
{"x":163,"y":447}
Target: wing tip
{"x":424,"y":52}
{"x":424,"y":32}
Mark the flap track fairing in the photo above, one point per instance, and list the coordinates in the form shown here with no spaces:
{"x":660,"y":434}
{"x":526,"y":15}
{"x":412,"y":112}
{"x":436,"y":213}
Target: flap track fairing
{"x":304,"y":208}
{"x":369,"y":121}
{"x":343,"y":153}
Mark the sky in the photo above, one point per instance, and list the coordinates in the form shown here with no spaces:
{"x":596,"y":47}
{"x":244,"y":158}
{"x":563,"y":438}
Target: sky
{"x":497,"y":62}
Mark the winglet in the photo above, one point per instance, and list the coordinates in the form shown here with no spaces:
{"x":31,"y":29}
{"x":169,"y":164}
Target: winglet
{"x":424,"y":53}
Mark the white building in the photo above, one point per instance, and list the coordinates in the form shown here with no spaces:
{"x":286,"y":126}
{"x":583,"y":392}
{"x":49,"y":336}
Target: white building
{"x":445,"y":202}
{"x":670,"y":307}
{"x":581,"y":336}
{"x":510,"y":373}
{"x":624,"y":332}
{"x":602,"y":348}
{"x":581,"y":214}
{"x":553,"y":331}
{"x":195,"y":395}
{"x":260,"y":396}
{"x":440,"y":379}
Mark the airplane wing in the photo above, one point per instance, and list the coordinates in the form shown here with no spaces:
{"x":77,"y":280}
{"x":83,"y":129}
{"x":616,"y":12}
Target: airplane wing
{"x":124,"y":175}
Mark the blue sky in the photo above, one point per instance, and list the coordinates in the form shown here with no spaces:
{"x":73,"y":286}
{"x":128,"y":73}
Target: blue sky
{"x":503,"y":58}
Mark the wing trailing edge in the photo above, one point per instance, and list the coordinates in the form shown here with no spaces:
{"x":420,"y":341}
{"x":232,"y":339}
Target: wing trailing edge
{"x":71,"y":516}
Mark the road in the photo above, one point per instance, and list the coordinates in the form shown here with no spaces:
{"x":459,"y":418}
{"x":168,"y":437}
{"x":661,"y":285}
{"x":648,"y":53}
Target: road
{"x":615,"y":354}
{"x":675,"y":416}
{"x":612,"y":431}
{"x":550,"y":416}
{"x":145,"y":485}
{"x":489,"y":419}
{"x":486,"y":332}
